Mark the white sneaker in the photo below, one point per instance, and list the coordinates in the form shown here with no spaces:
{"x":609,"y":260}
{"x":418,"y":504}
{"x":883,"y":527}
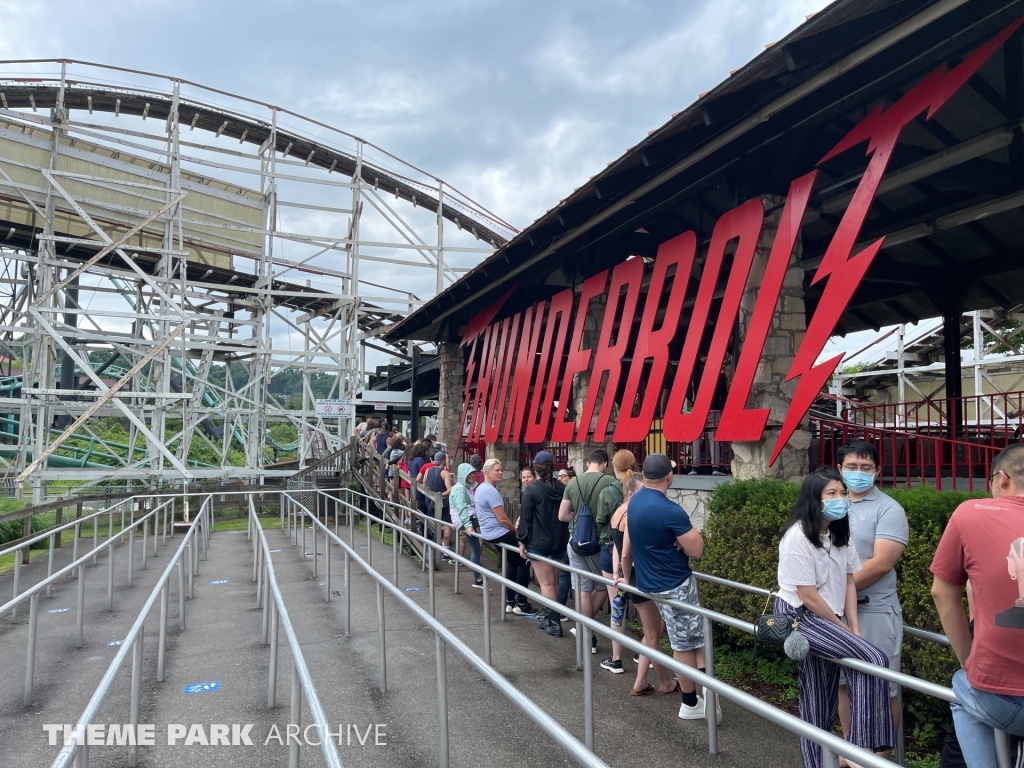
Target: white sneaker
{"x":718,"y":705}
{"x":696,"y":712}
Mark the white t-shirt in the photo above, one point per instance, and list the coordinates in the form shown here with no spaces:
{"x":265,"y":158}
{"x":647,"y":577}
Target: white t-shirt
{"x":801,"y":564}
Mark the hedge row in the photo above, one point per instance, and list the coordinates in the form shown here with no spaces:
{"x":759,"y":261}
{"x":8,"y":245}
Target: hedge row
{"x":742,"y":544}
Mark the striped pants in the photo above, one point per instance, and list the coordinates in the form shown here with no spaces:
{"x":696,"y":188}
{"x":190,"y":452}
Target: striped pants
{"x":871,"y":725}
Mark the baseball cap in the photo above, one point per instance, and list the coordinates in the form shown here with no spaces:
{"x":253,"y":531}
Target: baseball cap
{"x":476,"y":462}
{"x":657,"y":466}
{"x":543,"y":457}
{"x":439,"y":457}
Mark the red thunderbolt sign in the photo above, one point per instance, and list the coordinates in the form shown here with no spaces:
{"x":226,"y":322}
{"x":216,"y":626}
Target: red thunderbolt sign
{"x":521,"y":369}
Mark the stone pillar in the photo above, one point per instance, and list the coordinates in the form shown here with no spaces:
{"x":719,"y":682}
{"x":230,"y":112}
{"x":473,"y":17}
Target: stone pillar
{"x":789,"y":324}
{"x":508,"y":455}
{"x":450,"y":393}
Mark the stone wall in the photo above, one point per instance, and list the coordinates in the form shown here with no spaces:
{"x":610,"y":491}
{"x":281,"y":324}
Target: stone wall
{"x":694,"y":502}
{"x":508,"y":455}
{"x":452,"y":384}
{"x":789,"y":324}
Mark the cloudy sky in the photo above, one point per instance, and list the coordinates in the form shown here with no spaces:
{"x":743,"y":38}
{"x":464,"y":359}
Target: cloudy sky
{"x":514,"y":103}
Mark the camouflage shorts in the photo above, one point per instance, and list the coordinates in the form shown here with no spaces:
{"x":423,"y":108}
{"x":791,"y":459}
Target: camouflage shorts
{"x":685,"y":629}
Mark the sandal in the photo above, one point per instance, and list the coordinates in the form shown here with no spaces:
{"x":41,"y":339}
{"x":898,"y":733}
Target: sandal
{"x":677,"y":689}
{"x":648,"y":690}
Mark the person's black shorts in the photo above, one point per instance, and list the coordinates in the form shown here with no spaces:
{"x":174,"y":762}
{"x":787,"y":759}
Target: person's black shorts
{"x":446,"y":512}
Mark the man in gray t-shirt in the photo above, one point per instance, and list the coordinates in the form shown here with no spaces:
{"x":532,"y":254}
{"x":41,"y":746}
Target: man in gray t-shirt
{"x":878,"y":527}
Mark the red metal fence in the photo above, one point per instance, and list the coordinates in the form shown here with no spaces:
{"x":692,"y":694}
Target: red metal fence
{"x":908,"y":458}
{"x":995,"y":420}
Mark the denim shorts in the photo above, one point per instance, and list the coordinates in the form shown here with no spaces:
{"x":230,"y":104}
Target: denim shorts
{"x":606,"y":557}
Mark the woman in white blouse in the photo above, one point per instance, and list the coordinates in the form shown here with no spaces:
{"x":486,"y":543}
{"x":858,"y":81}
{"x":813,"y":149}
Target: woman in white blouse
{"x":817,"y":561}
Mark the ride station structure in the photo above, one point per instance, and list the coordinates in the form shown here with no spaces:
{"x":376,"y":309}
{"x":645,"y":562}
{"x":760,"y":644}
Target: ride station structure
{"x":865,"y":171}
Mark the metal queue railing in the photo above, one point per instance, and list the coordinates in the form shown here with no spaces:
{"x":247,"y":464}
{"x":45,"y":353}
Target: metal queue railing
{"x":75,"y":747}
{"x":901,"y":680}
{"x":443,"y":637}
{"x":123,"y":506}
{"x":275,"y":616}
{"x":76,"y":568}
{"x":832,"y":746}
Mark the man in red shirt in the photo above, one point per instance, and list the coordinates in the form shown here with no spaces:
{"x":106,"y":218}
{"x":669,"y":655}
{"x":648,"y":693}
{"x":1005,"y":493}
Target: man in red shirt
{"x":984,"y":543}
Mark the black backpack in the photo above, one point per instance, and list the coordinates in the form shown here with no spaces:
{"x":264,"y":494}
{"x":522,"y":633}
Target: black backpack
{"x":584,"y":539}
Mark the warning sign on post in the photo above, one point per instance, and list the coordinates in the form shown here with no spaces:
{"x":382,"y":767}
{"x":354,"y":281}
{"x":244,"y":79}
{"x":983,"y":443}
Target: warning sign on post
{"x":334,"y":408}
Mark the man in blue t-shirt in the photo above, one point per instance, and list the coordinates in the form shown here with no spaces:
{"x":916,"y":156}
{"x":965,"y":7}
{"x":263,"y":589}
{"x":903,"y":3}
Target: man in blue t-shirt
{"x":663,"y":540}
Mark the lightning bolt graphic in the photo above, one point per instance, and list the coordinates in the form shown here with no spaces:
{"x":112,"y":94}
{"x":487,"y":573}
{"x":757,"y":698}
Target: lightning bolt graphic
{"x":881,"y":130}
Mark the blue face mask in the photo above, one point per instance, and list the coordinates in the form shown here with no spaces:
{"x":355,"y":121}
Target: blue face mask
{"x":835,"y":509}
{"x":858,"y":482}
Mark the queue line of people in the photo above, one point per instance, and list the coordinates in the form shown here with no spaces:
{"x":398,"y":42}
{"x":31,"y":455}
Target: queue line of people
{"x":837,"y":574}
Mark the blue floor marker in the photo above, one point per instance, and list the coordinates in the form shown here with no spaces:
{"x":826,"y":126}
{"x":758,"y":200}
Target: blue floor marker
{"x":114,"y":643}
{"x":221,"y":581}
{"x":362,"y":546}
{"x":530,"y":618}
{"x":202,"y":687}
{"x":412,"y":589}
{"x":58,"y":610}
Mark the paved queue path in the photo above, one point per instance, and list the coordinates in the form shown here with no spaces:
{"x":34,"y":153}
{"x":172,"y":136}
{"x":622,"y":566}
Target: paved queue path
{"x":222,"y":645}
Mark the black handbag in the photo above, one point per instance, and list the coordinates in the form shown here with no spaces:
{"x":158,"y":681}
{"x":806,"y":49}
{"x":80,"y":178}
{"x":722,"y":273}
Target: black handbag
{"x":774,"y":628}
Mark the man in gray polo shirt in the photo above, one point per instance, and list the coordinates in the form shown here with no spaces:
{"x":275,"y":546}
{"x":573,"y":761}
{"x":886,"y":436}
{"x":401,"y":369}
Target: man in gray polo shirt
{"x":878,"y":527}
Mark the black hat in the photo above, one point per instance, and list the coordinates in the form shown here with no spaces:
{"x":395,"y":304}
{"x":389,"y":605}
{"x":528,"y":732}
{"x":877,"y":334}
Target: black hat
{"x":476,"y":462}
{"x":657,"y":466}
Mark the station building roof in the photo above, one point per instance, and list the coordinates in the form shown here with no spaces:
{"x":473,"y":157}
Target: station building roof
{"x":949,"y":203}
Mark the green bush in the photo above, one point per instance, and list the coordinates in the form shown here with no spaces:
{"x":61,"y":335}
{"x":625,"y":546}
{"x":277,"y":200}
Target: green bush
{"x":742,"y":544}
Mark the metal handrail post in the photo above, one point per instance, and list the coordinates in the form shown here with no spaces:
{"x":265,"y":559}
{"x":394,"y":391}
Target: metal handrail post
{"x":30,"y":661}
{"x":348,"y":595}
{"x":275,"y":623}
{"x":111,"y":546}
{"x":301,"y":517}
{"x":381,"y":639}
{"x":49,"y":564}
{"x":430,"y":577}
{"x":95,"y":539}
{"x":17,"y":584}
{"x":295,"y":717}
{"x":74,"y":543}
{"x":487,"y":618}
{"x":131,"y":554}
{"x":901,"y":742}
{"x":191,"y":567}
{"x":588,"y":693}
{"x":81,"y":606}
{"x":710,"y":697}
{"x":504,"y":569}
{"x":579,"y":632}
{"x":266,"y":606}
{"x":161,"y":651}
{"x":327,"y":562}
{"x":313,"y":535}
{"x":395,"y":538}
{"x":136,"y":696}
{"x":441,"y":650}
{"x":181,"y":593}
{"x":458,"y":565}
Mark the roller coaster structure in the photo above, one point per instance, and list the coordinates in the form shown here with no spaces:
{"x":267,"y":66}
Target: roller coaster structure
{"x":141,"y":248}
